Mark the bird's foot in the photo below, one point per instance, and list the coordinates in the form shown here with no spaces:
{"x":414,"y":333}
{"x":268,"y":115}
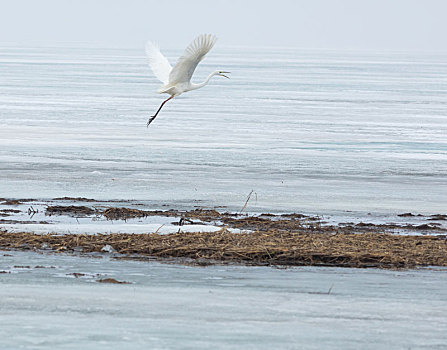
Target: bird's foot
{"x":150,"y":120}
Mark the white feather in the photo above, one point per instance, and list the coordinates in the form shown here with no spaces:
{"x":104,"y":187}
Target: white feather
{"x":177,"y":80}
{"x":158,"y":63}
{"x":187,"y":63}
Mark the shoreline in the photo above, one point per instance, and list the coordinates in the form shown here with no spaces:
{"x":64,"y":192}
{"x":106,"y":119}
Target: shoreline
{"x":205,"y":236}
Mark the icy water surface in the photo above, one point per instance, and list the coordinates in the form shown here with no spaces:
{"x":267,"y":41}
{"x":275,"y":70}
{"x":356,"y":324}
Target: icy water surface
{"x":313,"y":131}
{"x":167,"y":306}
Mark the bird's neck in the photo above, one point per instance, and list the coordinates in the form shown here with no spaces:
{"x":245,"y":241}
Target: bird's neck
{"x":202,"y":84}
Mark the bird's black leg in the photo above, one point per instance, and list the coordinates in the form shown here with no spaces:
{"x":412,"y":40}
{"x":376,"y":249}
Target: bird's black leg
{"x":159,"y":109}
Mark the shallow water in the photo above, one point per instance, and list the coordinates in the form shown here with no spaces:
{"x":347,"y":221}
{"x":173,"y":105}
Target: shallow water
{"x":169,"y":306}
{"x":309,"y":131}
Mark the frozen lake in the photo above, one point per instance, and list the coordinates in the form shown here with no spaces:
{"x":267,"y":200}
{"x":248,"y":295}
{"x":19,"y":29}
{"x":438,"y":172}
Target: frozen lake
{"x":170,"y":306}
{"x":309,"y":131}
{"x":350,"y":135}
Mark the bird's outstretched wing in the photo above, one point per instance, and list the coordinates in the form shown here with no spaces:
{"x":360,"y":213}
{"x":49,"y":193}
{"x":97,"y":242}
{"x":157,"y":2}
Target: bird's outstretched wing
{"x":158,"y":63}
{"x":194,"y":53}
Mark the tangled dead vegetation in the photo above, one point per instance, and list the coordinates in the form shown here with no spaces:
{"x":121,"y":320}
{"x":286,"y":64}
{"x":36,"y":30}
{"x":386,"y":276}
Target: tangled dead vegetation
{"x":258,"y":248}
{"x":272,"y":239}
{"x":72,"y":210}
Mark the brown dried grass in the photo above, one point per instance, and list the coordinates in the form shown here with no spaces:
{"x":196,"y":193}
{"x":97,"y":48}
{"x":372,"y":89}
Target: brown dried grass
{"x":258,"y":248}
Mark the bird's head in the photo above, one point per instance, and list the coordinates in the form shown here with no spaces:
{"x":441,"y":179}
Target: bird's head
{"x":222,"y":73}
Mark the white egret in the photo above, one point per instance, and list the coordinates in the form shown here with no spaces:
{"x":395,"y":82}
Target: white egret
{"x":177,"y":80}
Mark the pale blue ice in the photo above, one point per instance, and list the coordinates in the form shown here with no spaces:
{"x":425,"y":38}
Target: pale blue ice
{"x":170,"y":306}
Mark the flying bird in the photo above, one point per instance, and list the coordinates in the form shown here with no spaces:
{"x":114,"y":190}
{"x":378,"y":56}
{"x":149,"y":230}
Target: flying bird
{"x":177,"y":80}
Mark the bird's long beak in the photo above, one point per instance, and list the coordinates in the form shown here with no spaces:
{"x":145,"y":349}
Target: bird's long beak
{"x":221,"y":73}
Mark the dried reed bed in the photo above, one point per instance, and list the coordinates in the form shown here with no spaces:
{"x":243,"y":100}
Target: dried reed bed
{"x":258,"y":248}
